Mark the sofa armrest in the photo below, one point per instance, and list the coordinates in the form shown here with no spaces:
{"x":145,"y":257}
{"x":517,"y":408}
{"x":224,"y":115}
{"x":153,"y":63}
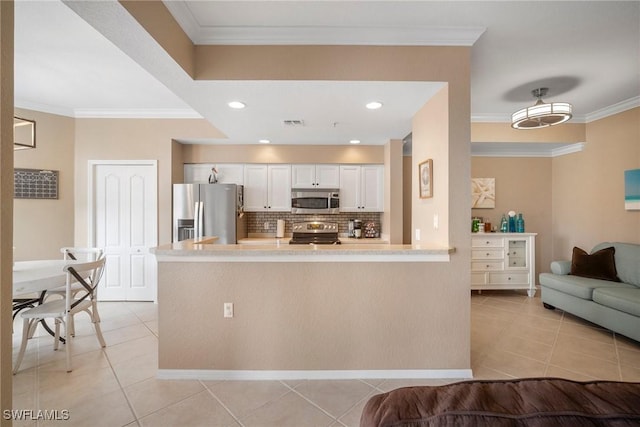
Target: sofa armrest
{"x":561,"y":267}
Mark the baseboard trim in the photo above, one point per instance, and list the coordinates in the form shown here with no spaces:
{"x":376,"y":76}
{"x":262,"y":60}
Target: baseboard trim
{"x":210,"y":374}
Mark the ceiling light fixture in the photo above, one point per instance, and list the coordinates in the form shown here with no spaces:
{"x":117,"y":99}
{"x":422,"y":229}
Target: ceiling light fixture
{"x":237,"y":105}
{"x":541,"y":114}
{"x":354,"y":141}
{"x":374,"y":105}
{"x":264,"y":141}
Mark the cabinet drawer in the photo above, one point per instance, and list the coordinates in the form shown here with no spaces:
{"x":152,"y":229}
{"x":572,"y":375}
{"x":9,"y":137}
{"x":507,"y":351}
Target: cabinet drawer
{"x":515,"y":244}
{"x":487,"y":254}
{"x":479,"y":242}
{"x":487,"y":266}
{"x":517,"y":252}
{"x":478,"y":278}
{"x":515,"y":262}
{"x":509,"y":278}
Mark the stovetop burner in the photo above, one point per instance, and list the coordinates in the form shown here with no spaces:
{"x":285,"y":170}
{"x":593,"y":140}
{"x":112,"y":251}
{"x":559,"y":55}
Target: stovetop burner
{"x":315,"y":232}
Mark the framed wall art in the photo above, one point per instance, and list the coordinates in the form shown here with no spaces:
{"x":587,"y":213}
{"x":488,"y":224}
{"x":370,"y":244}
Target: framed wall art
{"x":632,"y":190}
{"x":483,"y":193}
{"x":425,"y":178}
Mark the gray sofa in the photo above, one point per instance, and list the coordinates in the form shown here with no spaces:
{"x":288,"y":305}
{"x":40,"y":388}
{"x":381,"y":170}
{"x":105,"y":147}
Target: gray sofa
{"x":610,"y":304}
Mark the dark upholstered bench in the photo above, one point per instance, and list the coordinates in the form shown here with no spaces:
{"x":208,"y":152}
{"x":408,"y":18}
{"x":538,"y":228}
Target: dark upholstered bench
{"x":522,"y":402}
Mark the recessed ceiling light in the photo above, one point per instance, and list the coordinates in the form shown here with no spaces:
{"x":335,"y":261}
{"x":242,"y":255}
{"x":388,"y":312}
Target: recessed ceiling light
{"x":354,"y":141}
{"x":264,"y":141}
{"x":237,"y":105}
{"x":374,"y":105}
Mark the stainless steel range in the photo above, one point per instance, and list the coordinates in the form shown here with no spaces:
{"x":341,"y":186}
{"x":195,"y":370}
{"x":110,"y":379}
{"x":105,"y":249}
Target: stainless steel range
{"x":315,"y":232}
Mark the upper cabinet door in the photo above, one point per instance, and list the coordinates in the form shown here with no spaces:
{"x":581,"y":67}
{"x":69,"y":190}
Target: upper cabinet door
{"x":372,"y":188}
{"x":197,"y":173}
{"x":229,"y":173}
{"x":279,"y":188}
{"x":350,"y":188}
{"x":327,"y":176}
{"x":303,"y":176}
{"x":255,"y":188}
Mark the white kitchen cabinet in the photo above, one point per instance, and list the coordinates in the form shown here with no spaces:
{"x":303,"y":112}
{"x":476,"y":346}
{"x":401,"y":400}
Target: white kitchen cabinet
{"x":361,"y":188}
{"x":315,"y":176}
{"x":279,"y":188}
{"x":197,"y":173}
{"x":228,"y":173}
{"x":503,"y":261}
{"x":267,"y":188}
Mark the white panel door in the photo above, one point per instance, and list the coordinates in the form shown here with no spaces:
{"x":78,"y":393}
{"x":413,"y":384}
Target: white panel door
{"x":372,"y":188}
{"x":350,"y":188}
{"x":303,"y":176}
{"x":255,"y":188}
{"x":125,"y":225}
{"x":327,"y":176}
{"x":279,"y":188}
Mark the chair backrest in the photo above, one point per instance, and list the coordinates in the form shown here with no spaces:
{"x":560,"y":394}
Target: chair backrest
{"x":82,"y":254}
{"x":87,"y":274}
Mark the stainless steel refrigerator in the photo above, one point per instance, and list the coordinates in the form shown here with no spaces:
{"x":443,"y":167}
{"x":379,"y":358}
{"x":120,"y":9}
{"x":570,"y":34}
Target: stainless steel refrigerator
{"x":201,"y":210}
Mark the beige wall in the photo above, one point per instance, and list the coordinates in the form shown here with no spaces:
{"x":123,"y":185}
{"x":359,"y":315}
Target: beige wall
{"x":431,"y":141}
{"x":34,"y":218}
{"x":127,"y":139}
{"x":588,"y":187}
{"x":6,"y":204}
{"x":407,"y":190}
{"x":393,"y":185}
{"x":503,"y":132}
{"x":381,"y":316}
{"x":523,"y":185}
{"x":282,"y":154}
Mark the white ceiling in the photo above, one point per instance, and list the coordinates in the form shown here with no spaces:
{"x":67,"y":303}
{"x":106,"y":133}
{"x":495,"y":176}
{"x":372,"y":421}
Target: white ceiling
{"x":91,"y":59}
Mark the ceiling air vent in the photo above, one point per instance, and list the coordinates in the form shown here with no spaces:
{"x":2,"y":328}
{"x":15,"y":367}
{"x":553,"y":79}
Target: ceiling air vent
{"x":293,"y":123}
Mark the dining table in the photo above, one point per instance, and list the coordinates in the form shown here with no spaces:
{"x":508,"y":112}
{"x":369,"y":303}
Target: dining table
{"x":36,"y":277}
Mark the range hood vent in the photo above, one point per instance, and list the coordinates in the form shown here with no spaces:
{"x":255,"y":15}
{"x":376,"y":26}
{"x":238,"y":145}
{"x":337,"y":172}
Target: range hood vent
{"x":293,"y":123}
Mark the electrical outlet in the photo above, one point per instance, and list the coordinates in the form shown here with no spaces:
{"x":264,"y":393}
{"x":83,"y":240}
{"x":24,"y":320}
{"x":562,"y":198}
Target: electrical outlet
{"x":417,"y":234}
{"x":228,"y":309}
{"x":265,"y":225}
{"x":435,"y":221}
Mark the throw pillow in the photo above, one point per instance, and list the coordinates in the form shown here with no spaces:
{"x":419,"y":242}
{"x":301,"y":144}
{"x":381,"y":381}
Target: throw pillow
{"x":599,"y":265}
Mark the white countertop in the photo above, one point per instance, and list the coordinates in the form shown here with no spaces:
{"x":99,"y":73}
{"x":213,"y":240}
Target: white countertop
{"x":204,"y":250}
{"x":274,"y":241}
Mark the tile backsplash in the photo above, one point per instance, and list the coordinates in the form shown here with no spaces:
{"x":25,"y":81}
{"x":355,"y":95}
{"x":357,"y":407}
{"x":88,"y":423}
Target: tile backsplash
{"x":256,"y":220}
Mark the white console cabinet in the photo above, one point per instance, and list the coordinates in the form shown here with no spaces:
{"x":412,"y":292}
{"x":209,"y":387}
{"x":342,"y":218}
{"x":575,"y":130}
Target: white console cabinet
{"x":503,"y":261}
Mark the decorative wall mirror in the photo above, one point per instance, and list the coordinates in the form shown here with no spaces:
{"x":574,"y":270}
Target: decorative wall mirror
{"x":24,"y":133}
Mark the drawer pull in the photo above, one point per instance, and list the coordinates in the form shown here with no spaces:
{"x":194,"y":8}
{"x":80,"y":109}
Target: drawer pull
{"x":488,"y":254}
{"x":509,"y":278}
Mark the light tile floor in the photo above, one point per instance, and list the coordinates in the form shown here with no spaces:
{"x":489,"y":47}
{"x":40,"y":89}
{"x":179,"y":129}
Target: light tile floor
{"x":511,"y":336}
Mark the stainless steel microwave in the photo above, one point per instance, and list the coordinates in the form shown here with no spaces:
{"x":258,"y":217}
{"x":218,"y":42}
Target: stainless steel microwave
{"x":315,"y":201}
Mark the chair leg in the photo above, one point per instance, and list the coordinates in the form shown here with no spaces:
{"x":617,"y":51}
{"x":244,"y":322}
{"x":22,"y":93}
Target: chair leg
{"x":26,"y":326}
{"x":96,"y":324}
{"x":56,"y":338}
{"x":67,"y":347}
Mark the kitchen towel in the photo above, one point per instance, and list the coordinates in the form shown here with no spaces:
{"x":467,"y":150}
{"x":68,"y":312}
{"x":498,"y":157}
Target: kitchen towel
{"x":280,"y":228}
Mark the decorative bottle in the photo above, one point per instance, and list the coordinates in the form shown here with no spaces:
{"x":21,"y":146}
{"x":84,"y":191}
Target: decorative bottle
{"x":512,"y":222}
{"x":520,"y":224}
{"x":504,"y":225}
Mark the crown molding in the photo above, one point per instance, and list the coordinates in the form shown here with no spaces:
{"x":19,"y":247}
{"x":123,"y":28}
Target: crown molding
{"x":524,"y":149}
{"x":136,"y":113}
{"x":321,"y":35}
{"x":614,"y":109}
{"x":44,"y":108}
{"x":327,"y":35}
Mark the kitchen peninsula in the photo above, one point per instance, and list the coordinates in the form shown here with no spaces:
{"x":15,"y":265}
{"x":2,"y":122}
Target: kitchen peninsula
{"x":307,"y":311}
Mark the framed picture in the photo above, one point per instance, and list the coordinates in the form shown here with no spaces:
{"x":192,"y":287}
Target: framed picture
{"x":483,"y":193}
{"x":425,"y":178}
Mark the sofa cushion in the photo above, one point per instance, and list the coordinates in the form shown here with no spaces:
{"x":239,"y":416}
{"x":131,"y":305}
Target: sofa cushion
{"x":581,"y":287}
{"x":623,"y":299}
{"x":627,"y":258}
{"x":597,"y":265}
{"x":531,"y":402}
